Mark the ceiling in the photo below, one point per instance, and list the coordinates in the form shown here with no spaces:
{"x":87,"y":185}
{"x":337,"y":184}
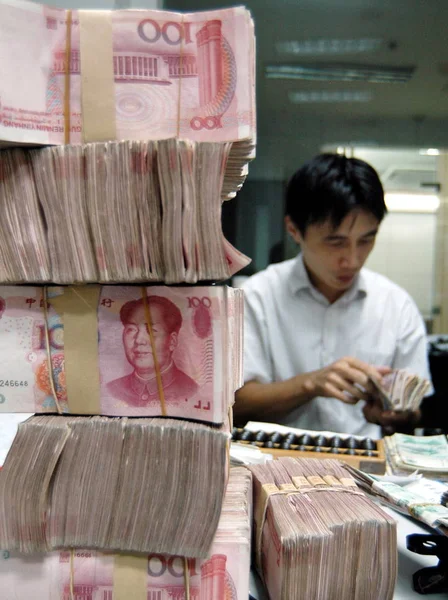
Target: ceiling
{"x":412,"y":114}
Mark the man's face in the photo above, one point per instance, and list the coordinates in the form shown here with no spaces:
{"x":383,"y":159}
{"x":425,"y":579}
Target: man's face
{"x":137,"y":343}
{"x":334,"y":257}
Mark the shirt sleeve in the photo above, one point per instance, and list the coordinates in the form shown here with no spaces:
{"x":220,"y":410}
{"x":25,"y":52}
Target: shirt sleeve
{"x":412,"y":346}
{"x":257,"y":356}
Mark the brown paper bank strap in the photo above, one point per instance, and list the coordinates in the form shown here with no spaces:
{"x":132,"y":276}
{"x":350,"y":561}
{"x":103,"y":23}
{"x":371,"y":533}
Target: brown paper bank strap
{"x":48,"y":350}
{"x":78,"y":310}
{"x":130,"y":578}
{"x":299,"y":485}
{"x":98,"y":76}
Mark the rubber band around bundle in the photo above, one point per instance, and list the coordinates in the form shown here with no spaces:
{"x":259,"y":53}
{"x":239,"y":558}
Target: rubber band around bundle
{"x":411,"y":507}
{"x":68,"y":52}
{"x":181,"y":56}
{"x":48,"y":349}
{"x":72,"y":574}
{"x":269,"y":491}
{"x":154,"y":353}
{"x":186,"y":579}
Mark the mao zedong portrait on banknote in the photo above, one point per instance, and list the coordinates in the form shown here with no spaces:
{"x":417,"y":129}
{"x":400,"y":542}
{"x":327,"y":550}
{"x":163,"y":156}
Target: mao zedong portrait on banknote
{"x":140,"y":386}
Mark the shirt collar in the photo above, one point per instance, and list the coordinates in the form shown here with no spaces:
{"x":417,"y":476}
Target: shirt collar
{"x":300,"y":281}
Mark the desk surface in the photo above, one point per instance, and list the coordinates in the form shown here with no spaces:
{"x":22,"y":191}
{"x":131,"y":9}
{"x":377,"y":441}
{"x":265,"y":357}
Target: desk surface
{"x":408,"y":563}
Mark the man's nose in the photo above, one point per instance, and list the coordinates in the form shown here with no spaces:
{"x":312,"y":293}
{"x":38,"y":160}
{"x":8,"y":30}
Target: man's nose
{"x":351,"y":259}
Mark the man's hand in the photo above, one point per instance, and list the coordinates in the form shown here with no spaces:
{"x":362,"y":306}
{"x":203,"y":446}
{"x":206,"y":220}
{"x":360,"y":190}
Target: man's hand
{"x":391,"y":421}
{"x":347,"y":379}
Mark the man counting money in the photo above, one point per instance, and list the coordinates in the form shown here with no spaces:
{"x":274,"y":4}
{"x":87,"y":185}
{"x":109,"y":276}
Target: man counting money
{"x":320,"y":327}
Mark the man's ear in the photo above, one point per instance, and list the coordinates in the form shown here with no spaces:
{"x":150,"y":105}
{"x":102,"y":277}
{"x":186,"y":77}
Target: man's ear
{"x":292,"y":229}
{"x":173,"y":341}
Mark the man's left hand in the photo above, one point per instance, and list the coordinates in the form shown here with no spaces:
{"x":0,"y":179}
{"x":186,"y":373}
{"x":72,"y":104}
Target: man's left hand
{"x":391,"y":421}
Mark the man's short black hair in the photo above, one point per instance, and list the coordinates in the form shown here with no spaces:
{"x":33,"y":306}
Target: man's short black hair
{"x":330,"y":186}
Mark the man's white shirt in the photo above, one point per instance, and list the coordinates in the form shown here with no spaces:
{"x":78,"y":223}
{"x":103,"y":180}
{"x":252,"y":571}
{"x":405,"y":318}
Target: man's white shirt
{"x":291,"y":328}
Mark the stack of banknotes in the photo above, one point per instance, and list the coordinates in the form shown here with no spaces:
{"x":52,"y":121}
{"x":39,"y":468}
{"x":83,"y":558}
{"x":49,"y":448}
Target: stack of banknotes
{"x":401,"y":390}
{"x":318,"y":535}
{"x":196,"y":340}
{"x":417,"y":501}
{"x":222,"y":575}
{"x":155,"y":74}
{"x":80,"y":482}
{"x":409,"y":453}
{"x":115,"y":212}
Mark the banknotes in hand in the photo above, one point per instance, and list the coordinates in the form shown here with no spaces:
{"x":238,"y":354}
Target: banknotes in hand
{"x":222,"y":575}
{"x":118,"y":212}
{"x":401,"y":390}
{"x":95,"y":482}
{"x":197,"y":342}
{"x":317,"y":534}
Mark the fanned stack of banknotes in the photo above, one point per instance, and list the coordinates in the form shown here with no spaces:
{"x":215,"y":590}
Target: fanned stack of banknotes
{"x":220,"y":576}
{"x":401,"y":390}
{"x":407,"y":499}
{"x":79,"y":482}
{"x":426,"y":454}
{"x":116,"y":212}
{"x":318,"y":536}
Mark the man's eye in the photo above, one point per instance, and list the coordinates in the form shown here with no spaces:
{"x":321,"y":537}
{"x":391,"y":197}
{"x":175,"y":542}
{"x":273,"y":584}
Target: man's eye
{"x":367,"y":241}
{"x":336,"y":243}
{"x":131,"y":329}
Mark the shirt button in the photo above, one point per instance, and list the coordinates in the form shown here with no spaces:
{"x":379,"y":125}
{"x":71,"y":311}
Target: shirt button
{"x":145,"y":397}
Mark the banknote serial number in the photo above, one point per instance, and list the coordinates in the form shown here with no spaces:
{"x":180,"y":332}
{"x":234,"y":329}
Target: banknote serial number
{"x":12,"y":383}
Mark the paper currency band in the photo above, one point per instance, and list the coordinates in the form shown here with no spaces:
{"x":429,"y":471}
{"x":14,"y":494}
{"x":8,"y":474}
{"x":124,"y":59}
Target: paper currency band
{"x":77,"y":307}
{"x":154,"y":352}
{"x":48,"y":349}
{"x":130,"y":579}
{"x":300,"y":485}
{"x":97,"y":76}
{"x":413,"y":510}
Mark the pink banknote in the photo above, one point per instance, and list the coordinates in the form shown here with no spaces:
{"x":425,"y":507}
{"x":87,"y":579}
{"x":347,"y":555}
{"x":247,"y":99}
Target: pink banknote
{"x":224,"y":576}
{"x":197,"y":334}
{"x":189,"y":75}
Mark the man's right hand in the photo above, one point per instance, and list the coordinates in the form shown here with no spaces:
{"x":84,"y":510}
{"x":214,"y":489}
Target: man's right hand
{"x":347,"y":379}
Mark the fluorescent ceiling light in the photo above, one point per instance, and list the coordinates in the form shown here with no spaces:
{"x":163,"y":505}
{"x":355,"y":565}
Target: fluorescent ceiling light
{"x":430,"y":152}
{"x":328,"y":46}
{"x":365,"y":73}
{"x":318,"y":96}
{"x":424,"y":203}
